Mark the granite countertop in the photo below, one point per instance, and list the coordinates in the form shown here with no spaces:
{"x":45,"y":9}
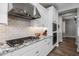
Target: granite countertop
{"x":12,"y":49}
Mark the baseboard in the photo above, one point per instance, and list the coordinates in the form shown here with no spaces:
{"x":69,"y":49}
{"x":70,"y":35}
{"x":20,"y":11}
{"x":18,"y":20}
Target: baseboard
{"x":68,"y":36}
{"x":61,"y":40}
{"x":57,"y":44}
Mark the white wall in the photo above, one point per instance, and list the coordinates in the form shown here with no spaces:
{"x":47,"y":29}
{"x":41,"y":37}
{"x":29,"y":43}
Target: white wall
{"x":60,"y":24}
{"x":71,"y":27}
{"x":63,"y":27}
{"x":60,"y":29}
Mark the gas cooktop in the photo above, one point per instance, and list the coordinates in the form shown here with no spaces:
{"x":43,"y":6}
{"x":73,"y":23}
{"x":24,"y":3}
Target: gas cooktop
{"x":20,"y":41}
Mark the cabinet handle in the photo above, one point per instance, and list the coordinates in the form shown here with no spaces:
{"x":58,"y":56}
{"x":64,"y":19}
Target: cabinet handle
{"x":45,"y":40}
{"x":37,"y":52}
{"x":48,"y":43}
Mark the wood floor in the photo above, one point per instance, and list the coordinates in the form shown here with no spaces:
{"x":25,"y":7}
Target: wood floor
{"x":66,"y":48}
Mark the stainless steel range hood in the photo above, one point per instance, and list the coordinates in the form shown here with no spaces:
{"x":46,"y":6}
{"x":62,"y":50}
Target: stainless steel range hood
{"x":24,"y":10}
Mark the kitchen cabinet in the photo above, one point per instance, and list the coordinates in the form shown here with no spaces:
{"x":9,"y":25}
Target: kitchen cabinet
{"x":3,"y":13}
{"x":4,"y":8}
{"x":34,"y":52}
{"x":9,"y":54}
{"x":43,"y":19}
{"x":48,"y":16}
{"x":30,"y":50}
{"x":40,"y":22}
{"x":40,"y":48}
{"x":49,"y":20}
{"x":45,"y":46}
{"x":52,"y":17}
{"x":50,"y":44}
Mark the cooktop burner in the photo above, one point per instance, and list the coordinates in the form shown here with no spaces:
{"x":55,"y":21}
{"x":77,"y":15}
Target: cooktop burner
{"x":20,"y":41}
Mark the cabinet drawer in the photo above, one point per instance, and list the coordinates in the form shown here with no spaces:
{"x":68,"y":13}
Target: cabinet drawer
{"x":9,"y":54}
{"x":21,"y":51}
{"x":33,"y":52}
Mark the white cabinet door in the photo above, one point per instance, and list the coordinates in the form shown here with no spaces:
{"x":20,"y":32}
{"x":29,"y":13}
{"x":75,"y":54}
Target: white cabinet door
{"x":52,"y":17}
{"x":37,"y":49}
{"x":50,"y":44}
{"x":4,"y":13}
{"x":32,"y":52}
{"x":44,"y":50}
{"x":50,"y":20}
{"x":9,"y":54}
{"x":55,"y":15}
{"x":22,"y":51}
{"x":47,"y":47}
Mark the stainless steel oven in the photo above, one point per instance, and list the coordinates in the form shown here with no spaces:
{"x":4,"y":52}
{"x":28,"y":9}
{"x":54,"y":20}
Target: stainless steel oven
{"x":54,"y":27}
{"x":54,"y":38}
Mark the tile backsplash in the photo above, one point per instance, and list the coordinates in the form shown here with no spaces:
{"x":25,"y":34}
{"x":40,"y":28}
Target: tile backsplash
{"x":17,"y":29}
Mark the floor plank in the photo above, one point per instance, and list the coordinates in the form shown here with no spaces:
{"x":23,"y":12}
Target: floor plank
{"x":66,"y":48}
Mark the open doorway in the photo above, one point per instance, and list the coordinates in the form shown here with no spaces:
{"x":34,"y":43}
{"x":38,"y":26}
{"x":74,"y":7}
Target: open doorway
{"x":69,"y":24}
{"x":70,"y":28}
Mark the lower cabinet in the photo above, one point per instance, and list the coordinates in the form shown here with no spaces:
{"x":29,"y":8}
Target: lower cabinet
{"x":9,"y":54}
{"x":41,"y":48}
{"x":33,"y":52}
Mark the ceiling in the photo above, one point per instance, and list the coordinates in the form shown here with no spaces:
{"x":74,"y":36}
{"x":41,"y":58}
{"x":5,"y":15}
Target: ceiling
{"x":68,"y":10}
{"x":65,"y":9}
{"x":46,"y":5}
{"x":61,"y":6}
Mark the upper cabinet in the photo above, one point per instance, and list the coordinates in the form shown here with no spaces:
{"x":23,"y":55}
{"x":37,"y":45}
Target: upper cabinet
{"x":41,"y":21}
{"x":3,"y":13}
{"x":55,"y":15}
{"x":24,"y":10}
{"x":52,"y":18}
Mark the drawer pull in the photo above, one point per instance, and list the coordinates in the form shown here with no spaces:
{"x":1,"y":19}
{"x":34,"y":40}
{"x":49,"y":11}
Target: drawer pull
{"x":45,"y":40}
{"x":48,"y":43}
{"x":37,"y":52}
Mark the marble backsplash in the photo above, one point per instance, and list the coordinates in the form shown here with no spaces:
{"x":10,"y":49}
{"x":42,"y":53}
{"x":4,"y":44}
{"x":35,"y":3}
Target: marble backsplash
{"x":18,"y":29}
